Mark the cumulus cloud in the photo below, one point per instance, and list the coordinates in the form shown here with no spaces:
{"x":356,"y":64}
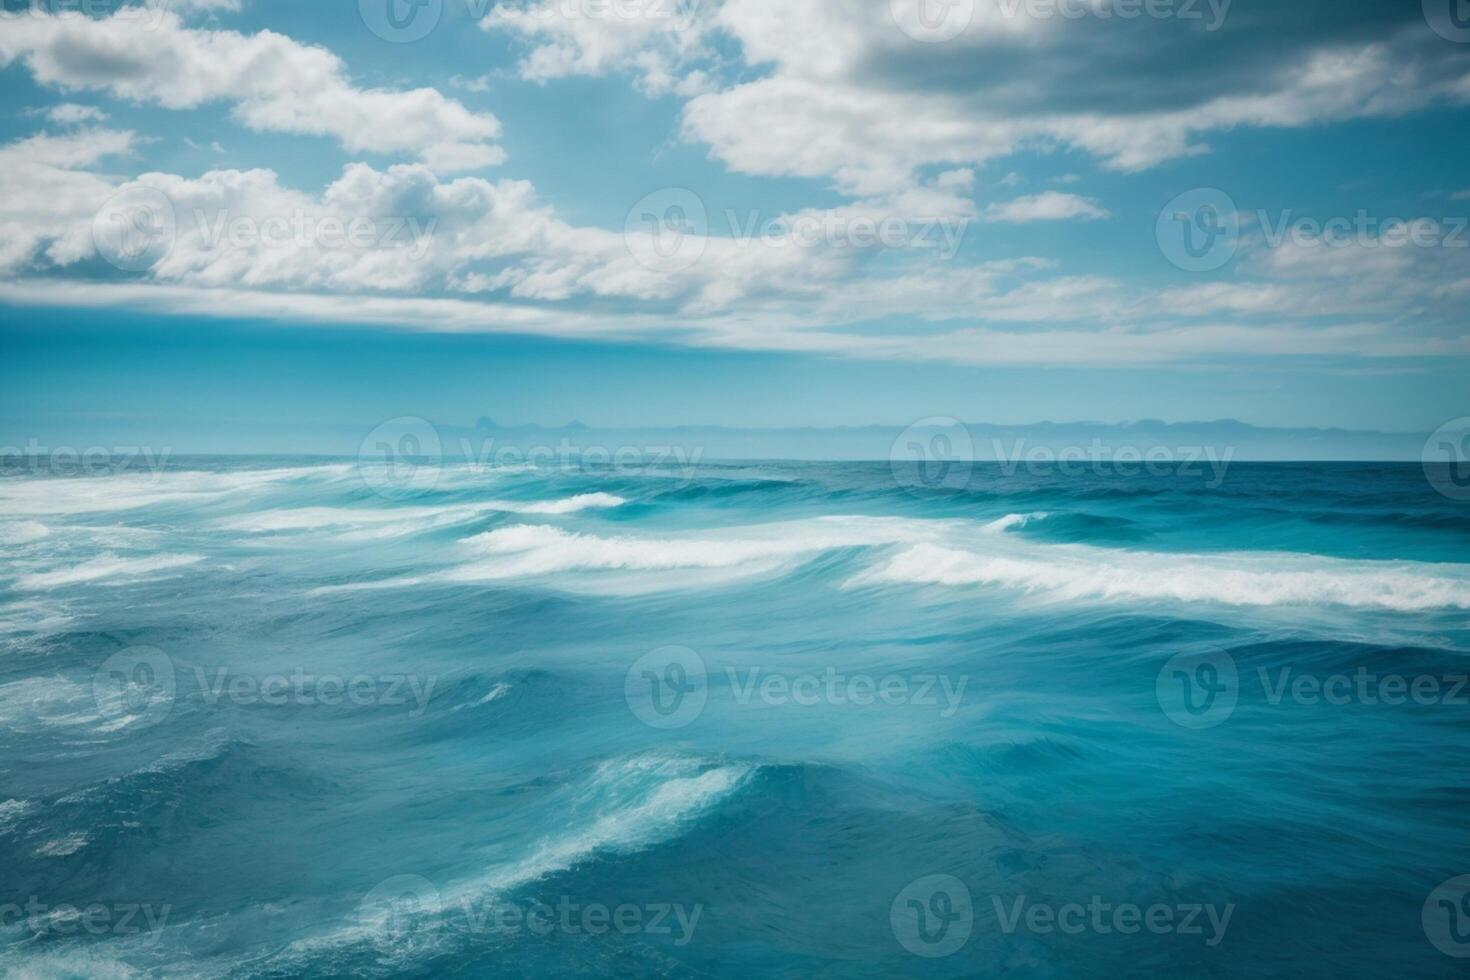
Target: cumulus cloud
{"x":1046,"y":206}
{"x":853,"y":92}
{"x":72,"y":114}
{"x":48,"y":197}
{"x":275,"y":84}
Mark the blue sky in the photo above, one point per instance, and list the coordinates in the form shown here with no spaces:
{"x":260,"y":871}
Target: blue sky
{"x":664,"y":212}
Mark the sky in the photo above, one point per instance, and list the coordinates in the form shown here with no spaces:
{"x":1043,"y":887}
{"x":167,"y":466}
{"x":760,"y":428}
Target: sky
{"x":247,"y":219}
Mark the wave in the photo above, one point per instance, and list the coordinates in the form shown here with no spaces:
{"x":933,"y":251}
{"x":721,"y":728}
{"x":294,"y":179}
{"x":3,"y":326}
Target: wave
{"x":393,"y":522}
{"x":23,"y":532}
{"x":105,"y":569}
{"x":537,"y":550}
{"x":131,"y":491}
{"x":625,"y":806}
{"x":951,"y":553}
{"x":1237,"y":579}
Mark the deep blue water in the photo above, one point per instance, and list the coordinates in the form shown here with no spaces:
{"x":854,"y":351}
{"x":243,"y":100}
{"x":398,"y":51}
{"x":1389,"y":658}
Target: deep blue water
{"x":277,"y":718}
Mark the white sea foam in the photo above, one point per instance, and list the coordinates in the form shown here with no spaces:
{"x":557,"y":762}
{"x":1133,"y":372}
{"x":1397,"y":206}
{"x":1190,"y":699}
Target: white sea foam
{"x":955,"y":554}
{"x":63,"y":846}
{"x":108,"y":569}
{"x":1241,"y":579}
{"x":531,"y":550}
{"x":627,"y":805}
{"x":635,"y":802}
{"x":131,"y":491}
{"x":1014,"y":520}
{"x":396,"y":521}
{"x":22,"y":532}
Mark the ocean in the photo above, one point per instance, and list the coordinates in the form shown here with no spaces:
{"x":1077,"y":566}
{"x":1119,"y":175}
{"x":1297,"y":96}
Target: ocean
{"x":285,"y":717}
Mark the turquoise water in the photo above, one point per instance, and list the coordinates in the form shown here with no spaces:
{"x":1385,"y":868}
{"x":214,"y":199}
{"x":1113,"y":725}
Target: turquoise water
{"x":284,"y":717}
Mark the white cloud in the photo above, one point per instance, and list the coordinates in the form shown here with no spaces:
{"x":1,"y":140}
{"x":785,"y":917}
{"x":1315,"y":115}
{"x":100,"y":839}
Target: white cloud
{"x":840,"y":91}
{"x":48,"y":198}
{"x":1046,"y":206}
{"x":654,"y":39}
{"x":276,"y":84}
{"x":72,"y":114}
